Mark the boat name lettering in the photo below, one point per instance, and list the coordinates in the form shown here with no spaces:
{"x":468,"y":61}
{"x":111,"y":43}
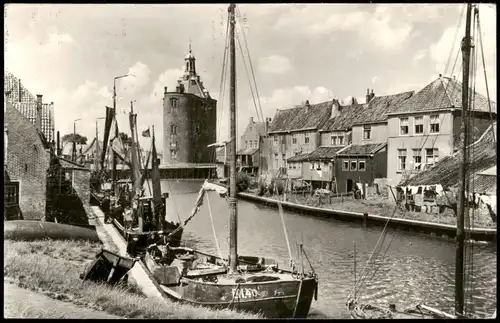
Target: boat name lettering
{"x":245,"y":293}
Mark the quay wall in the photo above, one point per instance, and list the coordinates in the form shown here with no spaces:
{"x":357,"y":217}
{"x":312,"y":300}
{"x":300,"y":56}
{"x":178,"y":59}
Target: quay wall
{"x":436,"y":229}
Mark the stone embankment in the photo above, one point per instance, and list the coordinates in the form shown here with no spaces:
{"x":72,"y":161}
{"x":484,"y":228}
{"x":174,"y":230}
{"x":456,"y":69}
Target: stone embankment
{"x":437,"y":229}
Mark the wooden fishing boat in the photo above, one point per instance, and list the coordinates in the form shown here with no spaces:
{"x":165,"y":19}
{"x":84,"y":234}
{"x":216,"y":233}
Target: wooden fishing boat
{"x":108,"y":267}
{"x":137,"y":217}
{"x":364,"y":311}
{"x":253,"y":284}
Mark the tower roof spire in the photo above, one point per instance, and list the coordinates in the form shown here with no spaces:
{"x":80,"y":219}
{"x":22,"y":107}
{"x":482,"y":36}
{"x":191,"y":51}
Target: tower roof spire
{"x":189,"y":44}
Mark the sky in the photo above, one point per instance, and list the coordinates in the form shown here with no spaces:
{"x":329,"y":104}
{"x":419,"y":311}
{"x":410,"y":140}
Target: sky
{"x":70,"y":53}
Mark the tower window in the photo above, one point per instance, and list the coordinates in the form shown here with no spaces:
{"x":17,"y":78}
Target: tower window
{"x":173,"y":102}
{"x":173,"y":129}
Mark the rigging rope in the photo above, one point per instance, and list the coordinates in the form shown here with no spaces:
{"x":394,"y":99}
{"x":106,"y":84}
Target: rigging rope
{"x":485,"y":76}
{"x":251,"y":65}
{"x":213,"y":227}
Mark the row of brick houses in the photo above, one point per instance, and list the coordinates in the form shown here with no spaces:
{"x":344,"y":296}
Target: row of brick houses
{"x":390,"y":137}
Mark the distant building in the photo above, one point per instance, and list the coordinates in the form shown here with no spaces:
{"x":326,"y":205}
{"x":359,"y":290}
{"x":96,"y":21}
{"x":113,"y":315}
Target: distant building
{"x":248,"y":157}
{"x":27,"y":160}
{"x":427,"y":127}
{"x":189,"y":119}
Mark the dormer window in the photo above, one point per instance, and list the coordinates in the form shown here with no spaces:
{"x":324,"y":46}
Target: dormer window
{"x":367,"y":132}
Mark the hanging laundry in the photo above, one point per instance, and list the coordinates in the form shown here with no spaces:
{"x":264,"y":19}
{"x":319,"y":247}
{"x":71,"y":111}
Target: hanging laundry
{"x":439,"y":189}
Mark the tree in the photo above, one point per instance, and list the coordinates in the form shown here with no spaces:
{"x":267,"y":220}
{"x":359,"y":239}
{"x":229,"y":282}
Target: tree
{"x":79,"y":139}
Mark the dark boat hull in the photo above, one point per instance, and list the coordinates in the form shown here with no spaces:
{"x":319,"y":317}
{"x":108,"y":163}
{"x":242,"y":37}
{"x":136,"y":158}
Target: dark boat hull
{"x":27,"y":230}
{"x":143,"y":237}
{"x":289,"y":298}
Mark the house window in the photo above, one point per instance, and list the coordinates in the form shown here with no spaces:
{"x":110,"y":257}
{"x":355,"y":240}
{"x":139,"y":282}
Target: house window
{"x":255,"y":144}
{"x":345,"y":165}
{"x":294,"y":139}
{"x":434,"y":123}
{"x":403,"y":126}
{"x":341,"y":140}
{"x":246,"y":144}
{"x":294,"y":165}
{"x":173,"y":129}
{"x":312,"y":166}
{"x":367,"y":132}
{"x":334,"y":140}
{"x":353,"y":165}
{"x":283,"y":157}
{"x":173,"y":102}
{"x":419,"y":125}
{"x":306,"y":138}
{"x":276,"y":139}
{"x":173,"y":154}
{"x":431,"y":156}
{"x":318,"y":166}
{"x":417,"y":159}
{"x":361,"y":166}
{"x":276,"y":160}
{"x":401,"y":159}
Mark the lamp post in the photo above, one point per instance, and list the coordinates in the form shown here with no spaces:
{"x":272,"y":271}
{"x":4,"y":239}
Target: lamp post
{"x":73,"y":155}
{"x":113,"y":170}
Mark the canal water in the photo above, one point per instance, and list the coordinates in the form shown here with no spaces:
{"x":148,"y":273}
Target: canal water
{"x":416,"y":268}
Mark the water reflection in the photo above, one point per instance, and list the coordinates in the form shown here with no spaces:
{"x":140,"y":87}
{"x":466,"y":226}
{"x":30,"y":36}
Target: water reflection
{"x":414,"y":269}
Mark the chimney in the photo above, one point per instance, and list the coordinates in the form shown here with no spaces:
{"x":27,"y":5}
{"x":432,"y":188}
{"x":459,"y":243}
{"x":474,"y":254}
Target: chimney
{"x":165,"y":90}
{"x":38,"y":121}
{"x":181,"y":88}
{"x":266,"y":129}
{"x":367,"y":95}
{"x":307,"y":105}
{"x":335,"y":109}
{"x":372,"y":95}
{"x":440,"y":75}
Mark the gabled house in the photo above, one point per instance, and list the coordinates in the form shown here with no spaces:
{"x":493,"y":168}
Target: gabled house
{"x":294,"y":132}
{"x":427,"y":127}
{"x":27,"y":160}
{"x":26,"y":103}
{"x":248,"y":156}
{"x":337,"y":129}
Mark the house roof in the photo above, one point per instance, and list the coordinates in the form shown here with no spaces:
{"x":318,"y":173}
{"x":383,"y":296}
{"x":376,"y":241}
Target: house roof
{"x":10,"y":109}
{"x":443,"y":93}
{"x":324,"y":152}
{"x":378,"y":107}
{"x":490,"y":171}
{"x":301,"y":118}
{"x":298,"y":158}
{"x":348,"y":115}
{"x":483,"y":156}
{"x":484,"y":184}
{"x":68,"y":164}
{"x":247,"y":151}
{"x":361,"y":150}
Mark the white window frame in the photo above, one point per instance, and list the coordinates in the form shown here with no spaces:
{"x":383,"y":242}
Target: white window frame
{"x":318,"y":166}
{"x":340,"y":140}
{"x":416,"y":123}
{"x":306,"y":138}
{"x":367,"y":132}
{"x":344,"y":161}
{"x":294,"y":139}
{"x":333,"y":140}
{"x":417,"y":152}
{"x":434,"y":120}
{"x":362,"y":161}
{"x":401,"y":160}
{"x":401,"y":124}
{"x":312,"y":165}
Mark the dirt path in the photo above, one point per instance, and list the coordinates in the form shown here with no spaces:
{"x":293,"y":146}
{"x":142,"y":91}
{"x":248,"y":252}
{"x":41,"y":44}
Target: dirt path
{"x":23,"y":303}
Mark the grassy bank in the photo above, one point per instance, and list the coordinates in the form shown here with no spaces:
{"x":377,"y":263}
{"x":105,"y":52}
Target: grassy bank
{"x":53,"y":268}
{"x":386,"y":208}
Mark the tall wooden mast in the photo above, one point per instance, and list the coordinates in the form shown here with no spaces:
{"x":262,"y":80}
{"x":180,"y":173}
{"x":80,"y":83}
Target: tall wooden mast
{"x":233,"y":212}
{"x":459,"y":259}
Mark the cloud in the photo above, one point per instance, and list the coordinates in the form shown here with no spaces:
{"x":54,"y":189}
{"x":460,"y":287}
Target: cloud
{"x":169,"y":79}
{"x":421,"y":54}
{"x":137,"y":79}
{"x":446,"y":47}
{"x":276,"y":64}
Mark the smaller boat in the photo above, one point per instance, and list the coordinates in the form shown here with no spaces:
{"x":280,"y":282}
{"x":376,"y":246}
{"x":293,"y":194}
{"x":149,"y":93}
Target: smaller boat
{"x":108,"y":267}
{"x":29,"y":230}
